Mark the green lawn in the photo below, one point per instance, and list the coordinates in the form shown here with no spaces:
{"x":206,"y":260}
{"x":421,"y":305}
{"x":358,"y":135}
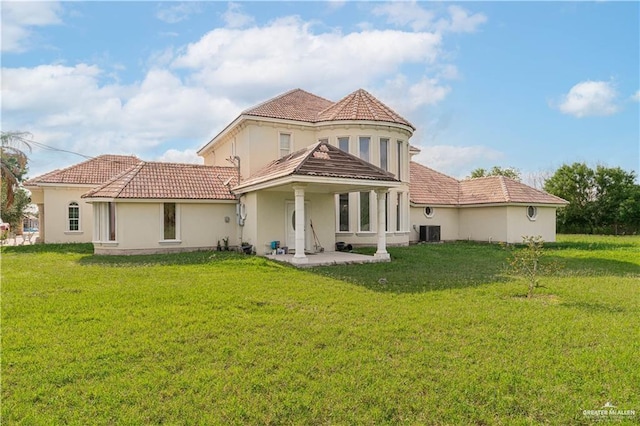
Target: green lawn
{"x":218,"y":338}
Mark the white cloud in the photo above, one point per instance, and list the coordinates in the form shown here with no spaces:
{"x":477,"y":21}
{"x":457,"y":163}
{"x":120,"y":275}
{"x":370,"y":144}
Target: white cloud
{"x":177,"y":12}
{"x":176,"y":156}
{"x":590,"y":98}
{"x":457,"y":161}
{"x":234,"y":18}
{"x":403,"y":95}
{"x":461,"y":21}
{"x":413,"y":15}
{"x":286,"y":53}
{"x":409,"y":14}
{"x":636,"y":96}
{"x":20,"y":17}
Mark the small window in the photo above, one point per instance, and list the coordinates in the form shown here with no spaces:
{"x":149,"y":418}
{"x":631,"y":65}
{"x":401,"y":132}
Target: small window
{"x":169,"y":221}
{"x":364,"y":147}
{"x":323,"y":140}
{"x":74,"y":216}
{"x":428,"y":211}
{"x":285,"y":144}
{"x":343,"y":144}
{"x":532,"y":212}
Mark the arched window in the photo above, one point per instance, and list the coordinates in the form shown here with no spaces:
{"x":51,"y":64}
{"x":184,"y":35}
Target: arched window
{"x":532,"y":212}
{"x":74,"y":216}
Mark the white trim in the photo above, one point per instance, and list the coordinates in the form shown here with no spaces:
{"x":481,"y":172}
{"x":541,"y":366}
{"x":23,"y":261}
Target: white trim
{"x":428,"y":215}
{"x":534,"y":216}
{"x":280,"y":134}
{"x":68,"y":227}
{"x":294,"y":179}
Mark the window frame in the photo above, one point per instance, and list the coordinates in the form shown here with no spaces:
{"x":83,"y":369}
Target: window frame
{"x":288,"y":150}
{"x":384,"y":167}
{"x":531,"y":216}
{"x":177,"y":230}
{"x":340,"y":198}
{"x":75,"y":205}
{"x":429,"y":214}
{"x":348,"y":140}
{"x":368,"y":139}
{"x":360,"y":212}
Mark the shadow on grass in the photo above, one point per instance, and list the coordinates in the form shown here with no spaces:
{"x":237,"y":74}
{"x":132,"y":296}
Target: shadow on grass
{"x":427,"y":267}
{"x":188,"y":258}
{"x":447,"y":266}
{"x":593,"y":266}
{"x":79,"y":248}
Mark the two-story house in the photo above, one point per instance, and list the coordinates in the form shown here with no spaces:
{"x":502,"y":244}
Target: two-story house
{"x":308,"y":173}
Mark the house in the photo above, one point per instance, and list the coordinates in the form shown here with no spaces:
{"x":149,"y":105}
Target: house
{"x":298,"y":171}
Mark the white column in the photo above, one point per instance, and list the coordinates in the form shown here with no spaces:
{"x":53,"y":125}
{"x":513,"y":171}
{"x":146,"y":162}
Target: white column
{"x":381,"y":253}
{"x":299,"y":257}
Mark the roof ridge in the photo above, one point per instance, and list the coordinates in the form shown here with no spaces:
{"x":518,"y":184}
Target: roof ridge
{"x":505,"y":189}
{"x":310,"y":150}
{"x":114,"y":179}
{"x":371,"y":99}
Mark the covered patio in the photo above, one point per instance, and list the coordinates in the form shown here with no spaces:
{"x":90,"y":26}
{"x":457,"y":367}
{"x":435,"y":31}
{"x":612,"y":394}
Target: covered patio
{"x":327,"y":259}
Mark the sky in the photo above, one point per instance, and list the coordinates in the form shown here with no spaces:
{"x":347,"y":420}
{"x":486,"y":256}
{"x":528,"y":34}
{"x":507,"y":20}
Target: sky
{"x":530,"y":85}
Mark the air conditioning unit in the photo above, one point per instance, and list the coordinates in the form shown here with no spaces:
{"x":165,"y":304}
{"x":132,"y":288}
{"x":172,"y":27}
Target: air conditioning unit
{"x":429,"y":234}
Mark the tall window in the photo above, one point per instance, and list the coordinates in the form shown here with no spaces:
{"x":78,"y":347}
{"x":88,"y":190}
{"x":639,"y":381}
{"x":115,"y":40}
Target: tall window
{"x":365,"y":141}
{"x":365,"y":211}
{"x":169,"y":221}
{"x":74,"y":216}
{"x":386,"y":211}
{"x":384,"y":154}
{"x":399,"y":153}
{"x":343,"y":206}
{"x":399,"y":212}
{"x":112,"y":221}
{"x":343,"y":144}
{"x":285,"y":144}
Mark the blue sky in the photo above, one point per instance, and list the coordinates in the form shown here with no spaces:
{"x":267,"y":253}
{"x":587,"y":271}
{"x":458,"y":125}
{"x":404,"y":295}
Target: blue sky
{"x":530,"y":85}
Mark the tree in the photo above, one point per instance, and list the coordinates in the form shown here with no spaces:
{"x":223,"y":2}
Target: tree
{"x":13,"y":162}
{"x":604,"y":200}
{"x":510,"y":172}
{"x":15,"y":213}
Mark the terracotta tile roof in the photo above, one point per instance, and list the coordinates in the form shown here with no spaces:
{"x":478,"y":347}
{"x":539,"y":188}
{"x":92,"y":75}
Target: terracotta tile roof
{"x":321,"y":160}
{"x":295,"y":104}
{"x":91,"y":172}
{"x":153,"y":180}
{"x":431,"y":187}
{"x":428,"y":186}
{"x":304,"y":106}
{"x":501,"y":189}
{"x":361,"y":105}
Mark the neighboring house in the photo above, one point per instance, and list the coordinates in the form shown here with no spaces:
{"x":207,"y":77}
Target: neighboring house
{"x":63,"y":216}
{"x":494,"y":208}
{"x":305,"y":172}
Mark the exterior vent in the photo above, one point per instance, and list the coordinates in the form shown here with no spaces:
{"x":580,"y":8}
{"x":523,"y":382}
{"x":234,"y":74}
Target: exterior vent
{"x":429,"y":234}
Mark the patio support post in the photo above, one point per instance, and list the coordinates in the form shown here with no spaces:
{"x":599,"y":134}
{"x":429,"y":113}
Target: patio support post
{"x":381,"y":252}
{"x":299,"y":257}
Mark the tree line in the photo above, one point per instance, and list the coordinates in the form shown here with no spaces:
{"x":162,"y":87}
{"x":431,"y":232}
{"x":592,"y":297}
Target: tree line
{"x":603,"y":200}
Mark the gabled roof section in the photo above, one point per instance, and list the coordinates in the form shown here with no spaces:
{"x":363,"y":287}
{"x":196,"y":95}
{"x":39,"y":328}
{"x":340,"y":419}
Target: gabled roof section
{"x":501,"y":189}
{"x":320,"y":160}
{"x":154,"y":180}
{"x":428,"y":186}
{"x":295,"y":104}
{"x":361,"y":105}
{"x":91,"y":172}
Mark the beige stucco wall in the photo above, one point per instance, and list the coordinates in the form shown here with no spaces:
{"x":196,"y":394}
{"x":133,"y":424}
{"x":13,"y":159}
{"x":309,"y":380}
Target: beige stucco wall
{"x":139,"y":228}
{"x":56,"y":222}
{"x":520,"y":225}
{"x":271,"y":219}
{"x":483,"y":223}
{"x":448,"y":218}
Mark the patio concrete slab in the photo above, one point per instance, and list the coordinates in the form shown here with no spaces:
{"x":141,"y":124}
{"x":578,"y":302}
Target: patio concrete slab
{"x":326,"y":258}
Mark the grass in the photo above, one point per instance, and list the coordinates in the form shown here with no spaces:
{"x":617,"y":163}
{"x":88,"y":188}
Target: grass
{"x":219,"y":338}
